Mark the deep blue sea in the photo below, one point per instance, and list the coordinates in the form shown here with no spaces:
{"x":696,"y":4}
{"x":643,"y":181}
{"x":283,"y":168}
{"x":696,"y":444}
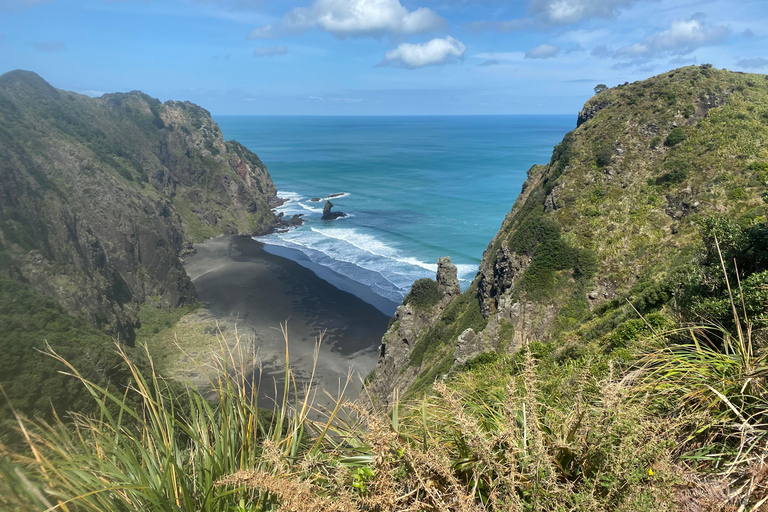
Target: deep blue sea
{"x":415,"y":188}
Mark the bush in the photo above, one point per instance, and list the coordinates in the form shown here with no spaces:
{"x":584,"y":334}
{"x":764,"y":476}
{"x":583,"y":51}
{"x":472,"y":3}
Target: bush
{"x":424,"y":294}
{"x":604,"y":155}
{"x":675,"y":137}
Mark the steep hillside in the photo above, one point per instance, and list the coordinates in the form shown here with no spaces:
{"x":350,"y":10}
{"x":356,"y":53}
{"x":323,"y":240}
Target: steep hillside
{"x":604,"y":229}
{"x":99,"y":197}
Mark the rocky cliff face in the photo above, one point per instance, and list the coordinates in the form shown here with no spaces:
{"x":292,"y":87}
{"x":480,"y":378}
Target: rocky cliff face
{"x":99,"y":197}
{"x":603,"y":224}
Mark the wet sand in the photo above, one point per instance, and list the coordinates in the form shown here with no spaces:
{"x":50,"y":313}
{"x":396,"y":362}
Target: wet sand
{"x":239,"y":280}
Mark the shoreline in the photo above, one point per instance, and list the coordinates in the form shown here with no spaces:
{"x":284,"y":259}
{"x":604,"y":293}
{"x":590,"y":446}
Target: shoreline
{"x":337,"y":280}
{"x":242,"y":282}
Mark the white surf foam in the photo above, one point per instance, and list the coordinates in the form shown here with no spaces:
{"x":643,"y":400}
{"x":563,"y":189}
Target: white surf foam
{"x":309,"y":208}
{"x":356,"y":254}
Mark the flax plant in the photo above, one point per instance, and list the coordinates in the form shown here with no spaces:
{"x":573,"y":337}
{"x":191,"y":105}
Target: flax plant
{"x":155,"y":448}
{"x":714,"y":382}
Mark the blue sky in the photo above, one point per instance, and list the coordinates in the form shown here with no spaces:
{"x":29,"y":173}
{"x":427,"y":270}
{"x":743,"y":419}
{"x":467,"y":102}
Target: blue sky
{"x":375,"y":57}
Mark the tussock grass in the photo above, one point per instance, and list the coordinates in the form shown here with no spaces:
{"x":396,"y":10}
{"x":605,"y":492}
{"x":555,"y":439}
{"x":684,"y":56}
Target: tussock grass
{"x":153,"y":447}
{"x":714,"y":382}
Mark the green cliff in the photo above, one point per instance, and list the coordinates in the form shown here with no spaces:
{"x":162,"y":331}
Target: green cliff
{"x":611,"y":224}
{"x":99,"y":198}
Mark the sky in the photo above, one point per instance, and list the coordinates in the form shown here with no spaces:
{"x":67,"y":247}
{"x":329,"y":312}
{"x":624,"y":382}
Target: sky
{"x":375,"y":57}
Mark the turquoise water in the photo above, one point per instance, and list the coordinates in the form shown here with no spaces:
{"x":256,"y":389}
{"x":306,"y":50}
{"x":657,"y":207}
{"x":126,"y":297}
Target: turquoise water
{"x":415,"y":188}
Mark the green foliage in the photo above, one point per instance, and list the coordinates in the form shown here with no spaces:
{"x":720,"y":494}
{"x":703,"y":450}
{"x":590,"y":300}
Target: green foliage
{"x":679,"y":169}
{"x":163,"y":447}
{"x":540,"y":237}
{"x":600,"y":88}
{"x":32,"y":380}
{"x":636,"y":329}
{"x":561,"y":158}
{"x":713,"y":382}
{"x":604,"y":155}
{"x":675,"y":137}
{"x":703,"y":288}
{"x":424,"y":294}
{"x":462,"y":314}
{"x":655,"y":142}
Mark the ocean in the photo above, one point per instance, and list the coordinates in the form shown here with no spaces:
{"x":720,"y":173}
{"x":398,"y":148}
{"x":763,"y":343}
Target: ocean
{"x":414,"y":188}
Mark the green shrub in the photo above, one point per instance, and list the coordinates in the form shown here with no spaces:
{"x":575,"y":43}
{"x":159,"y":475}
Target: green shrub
{"x":655,"y":142}
{"x":675,"y":137}
{"x":604,"y":155}
{"x":679,"y":170}
{"x":424,"y":294}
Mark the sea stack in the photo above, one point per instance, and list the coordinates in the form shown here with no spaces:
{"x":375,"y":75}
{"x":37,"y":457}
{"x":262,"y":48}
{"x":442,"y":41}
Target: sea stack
{"x":328,"y":214}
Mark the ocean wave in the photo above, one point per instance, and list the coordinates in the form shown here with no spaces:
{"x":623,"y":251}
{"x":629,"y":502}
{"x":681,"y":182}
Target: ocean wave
{"x":289,"y":196}
{"x":361,"y":256}
{"x":309,"y":208}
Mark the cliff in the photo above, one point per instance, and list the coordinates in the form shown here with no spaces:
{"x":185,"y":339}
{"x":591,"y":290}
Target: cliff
{"x":99,"y":197}
{"x":605,"y":230}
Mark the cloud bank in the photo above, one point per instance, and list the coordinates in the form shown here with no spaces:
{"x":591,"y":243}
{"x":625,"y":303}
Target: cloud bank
{"x":564,"y":12}
{"x":548,"y":13}
{"x":754,"y":63}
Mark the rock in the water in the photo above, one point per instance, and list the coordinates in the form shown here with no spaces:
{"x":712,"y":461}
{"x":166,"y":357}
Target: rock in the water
{"x":328,"y":214}
{"x":283,"y":224}
{"x":447,"y":279}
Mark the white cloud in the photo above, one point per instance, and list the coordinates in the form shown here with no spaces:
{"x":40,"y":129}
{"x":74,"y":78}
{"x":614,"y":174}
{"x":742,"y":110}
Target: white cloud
{"x":543,"y":51}
{"x":357,"y":18}
{"x":546,"y":13}
{"x":436,"y":51}
{"x":269,"y":51}
{"x":563,"y":12}
{"x":684,"y":36}
{"x":680,"y":39}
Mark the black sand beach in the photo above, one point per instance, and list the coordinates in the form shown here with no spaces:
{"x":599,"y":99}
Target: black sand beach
{"x":238,"y":279}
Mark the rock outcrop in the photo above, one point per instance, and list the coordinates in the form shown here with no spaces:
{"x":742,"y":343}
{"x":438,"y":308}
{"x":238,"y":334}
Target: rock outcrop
{"x":447,"y":278}
{"x":394,"y":373}
{"x":328,"y":214}
{"x":100,"y":196}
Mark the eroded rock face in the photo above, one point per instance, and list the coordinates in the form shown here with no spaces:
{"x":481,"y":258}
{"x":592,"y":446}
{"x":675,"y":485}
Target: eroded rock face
{"x":589,"y":111}
{"x":499,"y":275}
{"x":447,"y":277}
